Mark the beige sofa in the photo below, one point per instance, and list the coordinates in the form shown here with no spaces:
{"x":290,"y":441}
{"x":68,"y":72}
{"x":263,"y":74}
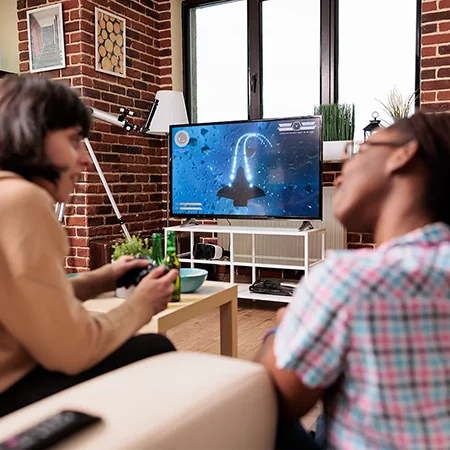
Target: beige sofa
{"x":172,"y":401}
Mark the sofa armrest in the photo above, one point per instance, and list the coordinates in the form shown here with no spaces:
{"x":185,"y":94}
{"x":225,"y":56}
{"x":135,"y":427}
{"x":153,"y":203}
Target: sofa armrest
{"x":172,"y":401}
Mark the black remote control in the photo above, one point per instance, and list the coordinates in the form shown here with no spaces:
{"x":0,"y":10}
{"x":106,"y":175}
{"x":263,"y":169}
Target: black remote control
{"x":50,"y":431}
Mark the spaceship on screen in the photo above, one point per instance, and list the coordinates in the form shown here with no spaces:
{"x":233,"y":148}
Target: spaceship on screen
{"x":241,"y":191}
{"x":240,"y":188}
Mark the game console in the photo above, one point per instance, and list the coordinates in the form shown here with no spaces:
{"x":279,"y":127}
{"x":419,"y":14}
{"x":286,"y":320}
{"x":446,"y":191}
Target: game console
{"x":271,"y":287}
{"x":134,"y":276}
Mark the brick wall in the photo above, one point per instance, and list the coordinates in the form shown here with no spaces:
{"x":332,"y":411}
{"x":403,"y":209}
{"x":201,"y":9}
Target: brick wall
{"x":134,"y":165}
{"x":435,"y":62}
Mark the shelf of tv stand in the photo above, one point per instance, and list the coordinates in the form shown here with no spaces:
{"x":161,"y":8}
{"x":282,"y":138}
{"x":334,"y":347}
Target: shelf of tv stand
{"x":245,"y":293}
{"x":275,"y":231}
{"x":303,"y":262}
{"x":224,"y":262}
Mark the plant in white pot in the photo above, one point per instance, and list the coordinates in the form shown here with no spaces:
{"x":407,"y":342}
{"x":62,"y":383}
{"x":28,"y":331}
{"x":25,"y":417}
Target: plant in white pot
{"x":338,"y":121}
{"x":136,"y":247}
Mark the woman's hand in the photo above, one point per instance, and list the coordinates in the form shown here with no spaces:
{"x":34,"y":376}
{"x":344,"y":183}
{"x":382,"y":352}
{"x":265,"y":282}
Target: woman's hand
{"x":155,"y":289}
{"x":91,"y":284}
{"x":125,"y":263}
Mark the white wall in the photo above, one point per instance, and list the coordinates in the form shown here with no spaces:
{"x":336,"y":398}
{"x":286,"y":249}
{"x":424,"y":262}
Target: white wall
{"x":177,"y":63}
{"x":9,"y":39}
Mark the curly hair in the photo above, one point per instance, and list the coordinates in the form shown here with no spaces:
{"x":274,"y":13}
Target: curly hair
{"x":30,"y":107}
{"x":432,"y":133}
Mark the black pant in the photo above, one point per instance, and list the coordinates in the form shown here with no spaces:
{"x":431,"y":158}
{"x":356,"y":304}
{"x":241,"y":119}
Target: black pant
{"x":41,"y":383}
{"x":292,"y":436}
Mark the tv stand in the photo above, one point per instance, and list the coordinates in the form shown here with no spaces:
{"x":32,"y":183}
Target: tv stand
{"x":189,"y":223}
{"x":305,"y":226}
{"x":301,"y":262}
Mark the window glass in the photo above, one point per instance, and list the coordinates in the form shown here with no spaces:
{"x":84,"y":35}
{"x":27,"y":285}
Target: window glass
{"x":219,"y":62}
{"x":377,"y":53}
{"x":291,"y":57}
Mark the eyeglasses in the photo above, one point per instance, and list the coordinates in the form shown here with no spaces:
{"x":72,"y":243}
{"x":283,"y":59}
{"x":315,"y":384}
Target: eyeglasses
{"x":353,"y":148}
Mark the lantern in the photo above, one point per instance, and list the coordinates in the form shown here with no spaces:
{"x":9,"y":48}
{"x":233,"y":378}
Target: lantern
{"x":373,"y":125}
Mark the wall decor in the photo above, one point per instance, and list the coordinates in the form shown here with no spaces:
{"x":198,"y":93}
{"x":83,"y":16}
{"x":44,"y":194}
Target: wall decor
{"x":110,"y":43}
{"x":46,"y":38}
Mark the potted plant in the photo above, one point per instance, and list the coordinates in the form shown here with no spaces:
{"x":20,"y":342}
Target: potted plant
{"x":338,"y":121}
{"x":397,"y":106}
{"x":136,"y":247}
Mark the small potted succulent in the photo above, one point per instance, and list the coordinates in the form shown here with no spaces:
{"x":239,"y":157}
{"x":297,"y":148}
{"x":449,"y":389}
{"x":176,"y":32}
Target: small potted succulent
{"x":338,"y":122}
{"x":136,"y":247}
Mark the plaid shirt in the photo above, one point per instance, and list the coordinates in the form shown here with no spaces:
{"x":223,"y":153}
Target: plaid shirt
{"x":373,"y":327}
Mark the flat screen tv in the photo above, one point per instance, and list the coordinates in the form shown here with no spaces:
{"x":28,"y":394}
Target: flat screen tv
{"x":247,"y":169}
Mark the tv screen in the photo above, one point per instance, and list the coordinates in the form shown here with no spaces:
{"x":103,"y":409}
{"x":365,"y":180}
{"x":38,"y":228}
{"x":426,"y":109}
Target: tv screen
{"x":254,"y":169}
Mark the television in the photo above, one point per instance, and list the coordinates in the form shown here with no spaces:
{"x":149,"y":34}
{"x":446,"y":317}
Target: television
{"x":247,"y":169}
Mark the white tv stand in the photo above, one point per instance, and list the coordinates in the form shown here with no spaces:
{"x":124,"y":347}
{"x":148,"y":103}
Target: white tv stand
{"x":303,"y":262}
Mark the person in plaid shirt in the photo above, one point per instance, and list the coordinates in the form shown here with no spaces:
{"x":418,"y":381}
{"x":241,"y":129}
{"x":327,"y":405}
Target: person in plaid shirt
{"x":368,"y":332}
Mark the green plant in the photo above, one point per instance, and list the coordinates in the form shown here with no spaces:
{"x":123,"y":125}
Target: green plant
{"x":136,"y":247}
{"x":397,"y":106}
{"x":338,"y":121}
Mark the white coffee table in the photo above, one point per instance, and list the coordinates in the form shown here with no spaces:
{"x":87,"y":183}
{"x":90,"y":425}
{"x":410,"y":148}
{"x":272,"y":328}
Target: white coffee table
{"x":211,"y":295}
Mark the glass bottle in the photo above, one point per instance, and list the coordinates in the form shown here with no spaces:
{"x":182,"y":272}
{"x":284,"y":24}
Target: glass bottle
{"x":171,"y":261}
{"x":157,"y":254}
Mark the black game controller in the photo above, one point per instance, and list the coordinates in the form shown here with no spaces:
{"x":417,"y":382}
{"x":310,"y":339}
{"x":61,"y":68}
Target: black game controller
{"x":134,"y":276}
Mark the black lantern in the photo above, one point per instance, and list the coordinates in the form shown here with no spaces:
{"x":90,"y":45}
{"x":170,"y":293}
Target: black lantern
{"x":374,"y":124}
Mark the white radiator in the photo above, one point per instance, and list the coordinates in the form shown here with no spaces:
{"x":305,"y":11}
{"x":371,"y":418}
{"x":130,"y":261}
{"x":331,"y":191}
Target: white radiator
{"x":285,"y":246}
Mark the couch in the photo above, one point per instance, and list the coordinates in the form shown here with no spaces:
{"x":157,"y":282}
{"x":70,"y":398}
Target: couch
{"x":173,"y":401}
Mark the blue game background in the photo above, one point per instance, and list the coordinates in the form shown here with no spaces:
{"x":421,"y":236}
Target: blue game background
{"x":288,"y":172}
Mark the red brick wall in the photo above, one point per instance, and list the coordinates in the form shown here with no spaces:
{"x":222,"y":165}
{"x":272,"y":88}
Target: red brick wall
{"x":134,"y":165}
{"x":435,"y":63}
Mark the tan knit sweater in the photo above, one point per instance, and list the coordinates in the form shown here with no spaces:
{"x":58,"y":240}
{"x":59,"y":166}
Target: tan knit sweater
{"x":41,"y":321}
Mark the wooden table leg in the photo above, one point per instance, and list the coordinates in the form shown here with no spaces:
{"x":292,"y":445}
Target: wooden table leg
{"x":228,"y":329}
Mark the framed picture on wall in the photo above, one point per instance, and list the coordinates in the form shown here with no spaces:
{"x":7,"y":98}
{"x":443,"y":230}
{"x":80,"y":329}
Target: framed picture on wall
{"x":46,"y":38}
{"x":110,"y":35}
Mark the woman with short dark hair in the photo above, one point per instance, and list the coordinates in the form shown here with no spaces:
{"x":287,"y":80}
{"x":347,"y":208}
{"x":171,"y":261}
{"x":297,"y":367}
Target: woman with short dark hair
{"x":48,"y":341}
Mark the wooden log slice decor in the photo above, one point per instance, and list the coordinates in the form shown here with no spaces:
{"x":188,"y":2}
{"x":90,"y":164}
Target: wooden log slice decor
{"x":106,"y":64}
{"x":110,"y":43}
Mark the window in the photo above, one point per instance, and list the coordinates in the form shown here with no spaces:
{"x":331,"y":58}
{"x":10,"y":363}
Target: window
{"x":218,"y":45}
{"x":291,"y":57}
{"x":375,"y":55}
{"x":278,"y":58}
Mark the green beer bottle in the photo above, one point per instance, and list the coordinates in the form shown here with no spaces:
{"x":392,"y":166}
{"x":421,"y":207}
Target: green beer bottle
{"x":157,"y":254}
{"x":171,"y":262}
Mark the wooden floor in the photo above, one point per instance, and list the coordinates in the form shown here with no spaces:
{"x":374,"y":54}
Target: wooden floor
{"x":254,"y":319}
{"x":202,"y":334}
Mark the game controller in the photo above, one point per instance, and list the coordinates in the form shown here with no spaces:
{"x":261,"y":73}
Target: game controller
{"x":134,"y":276}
